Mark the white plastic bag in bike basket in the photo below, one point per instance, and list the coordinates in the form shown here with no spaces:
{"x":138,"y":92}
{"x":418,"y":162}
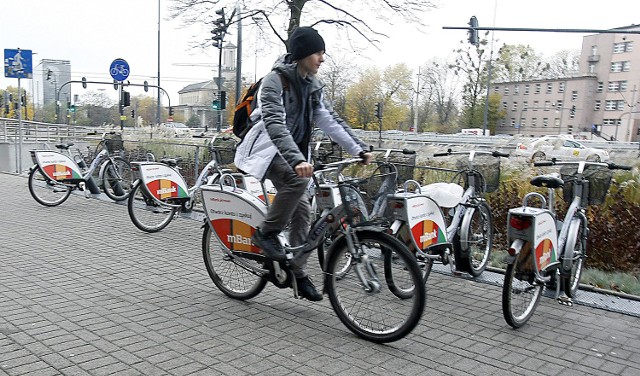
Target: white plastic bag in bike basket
{"x":162,"y":181}
{"x":57,"y":166}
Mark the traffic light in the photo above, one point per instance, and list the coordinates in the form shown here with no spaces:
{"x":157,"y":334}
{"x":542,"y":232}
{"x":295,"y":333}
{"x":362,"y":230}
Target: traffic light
{"x":115,"y":84}
{"x":49,"y":72}
{"x":473,"y":32}
{"x":223,"y":100}
{"x":126,"y":99}
{"x":72,"y":108}
{"x":84,"y":82}
{"x":170,"y":111}
{"x":378,"y":110}
{"x":133,"y":114}
{"x":146,"y":86}
{"x":220,"y":30}
{"x":215,"y":104}
{"x":572,"y":112}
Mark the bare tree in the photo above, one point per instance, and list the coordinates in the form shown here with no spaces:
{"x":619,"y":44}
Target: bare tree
{"x":440,"y":91}
{"x":563,"y":63}
{"x":363,"y":18}
{"x":518,"y":63}
{"x":337,"y":74}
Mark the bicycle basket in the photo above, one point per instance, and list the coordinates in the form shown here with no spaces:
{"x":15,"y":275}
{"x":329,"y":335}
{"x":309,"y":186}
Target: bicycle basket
{"x":353,"y":204}
{"x":487,"y":166}
{"x":114,"y":143}
{"x":376,"y":187}
{"x":405,"y":164}
{"x":224,"y":149}
{"x":595,"y":191}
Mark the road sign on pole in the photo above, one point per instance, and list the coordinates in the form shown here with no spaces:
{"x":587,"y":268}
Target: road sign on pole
{"x":119,"y":69}
{"x":18,"y":63}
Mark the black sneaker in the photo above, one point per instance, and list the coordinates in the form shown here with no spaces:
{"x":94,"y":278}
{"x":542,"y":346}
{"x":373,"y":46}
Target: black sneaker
{"x":269,"y":244}
{"x":307,"y":290}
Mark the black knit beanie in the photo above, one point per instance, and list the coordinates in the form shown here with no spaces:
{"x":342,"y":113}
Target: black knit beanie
{"x":305,"y":41}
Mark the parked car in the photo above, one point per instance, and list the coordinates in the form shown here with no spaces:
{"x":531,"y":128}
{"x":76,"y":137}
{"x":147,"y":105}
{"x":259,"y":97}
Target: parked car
{"x":560,"y":147}
{"x":173,"y":129}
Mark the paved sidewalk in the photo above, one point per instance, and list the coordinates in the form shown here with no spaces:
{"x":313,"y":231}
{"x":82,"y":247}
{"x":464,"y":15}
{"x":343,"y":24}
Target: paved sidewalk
{"x":84,"y":292}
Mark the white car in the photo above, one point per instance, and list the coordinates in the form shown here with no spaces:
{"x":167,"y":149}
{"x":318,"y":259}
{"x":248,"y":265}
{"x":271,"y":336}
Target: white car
{"x":175,"y":129}
{"x":560,"y":147}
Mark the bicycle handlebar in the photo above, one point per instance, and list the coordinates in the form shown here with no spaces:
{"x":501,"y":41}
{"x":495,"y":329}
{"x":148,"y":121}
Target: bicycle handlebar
{"x":494,"y":153}
{"x":391,"y":150}
{"x":610,"y":165}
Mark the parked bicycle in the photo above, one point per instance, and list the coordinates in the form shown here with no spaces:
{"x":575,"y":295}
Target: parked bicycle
{"x":56,"y":174}
{"x":373,"y":282}
{"x":464,"y":238}
{"x":546,"y":251}
{"x":160,"y":192}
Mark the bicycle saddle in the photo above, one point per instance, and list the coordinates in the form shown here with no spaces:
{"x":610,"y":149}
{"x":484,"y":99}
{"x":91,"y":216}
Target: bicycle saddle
{"x":446,"y":195}
{"x":64,"y":146}
{"x":173,"y":162}
{"x":548,"y":181}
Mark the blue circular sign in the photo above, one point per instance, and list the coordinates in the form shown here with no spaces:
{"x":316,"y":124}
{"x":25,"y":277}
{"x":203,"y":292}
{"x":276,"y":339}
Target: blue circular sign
{"x":119,"y":70}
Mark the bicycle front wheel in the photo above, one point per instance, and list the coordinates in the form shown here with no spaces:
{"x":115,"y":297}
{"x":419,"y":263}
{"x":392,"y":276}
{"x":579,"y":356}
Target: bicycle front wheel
{"x":117,"y":179}
{"x":226,"y":270}
{"x":146,"y":213}
{"x":45,"y":191}
{"x":571,"y":283}
{"x":478,"y":238}
{"x":520,"y":292}
{"x":380,"y":295}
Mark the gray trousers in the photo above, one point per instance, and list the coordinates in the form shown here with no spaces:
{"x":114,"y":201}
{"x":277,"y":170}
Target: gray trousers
{"x":291,"y":205}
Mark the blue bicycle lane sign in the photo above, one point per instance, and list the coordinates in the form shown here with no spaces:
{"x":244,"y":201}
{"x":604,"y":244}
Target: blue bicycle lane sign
{"x":119,"y":69}
{"x":18,"y":63}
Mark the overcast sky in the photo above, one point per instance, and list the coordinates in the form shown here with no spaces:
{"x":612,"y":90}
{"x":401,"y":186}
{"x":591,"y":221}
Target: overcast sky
{"x":92,"y":33}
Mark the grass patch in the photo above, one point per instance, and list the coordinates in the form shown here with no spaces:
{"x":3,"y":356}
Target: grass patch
{"x":615,"y":281}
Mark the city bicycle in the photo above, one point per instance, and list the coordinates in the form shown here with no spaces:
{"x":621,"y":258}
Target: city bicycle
{"x":55,"y":174}
{"x":160,"y":193}
{"x":450,"y":222}
{"x":547,"y":251}
{"x":372,"y":280}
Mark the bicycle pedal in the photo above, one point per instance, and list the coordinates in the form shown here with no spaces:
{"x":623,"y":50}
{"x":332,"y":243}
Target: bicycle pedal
{"x":457,"y":273}
{"x":565,"y":301}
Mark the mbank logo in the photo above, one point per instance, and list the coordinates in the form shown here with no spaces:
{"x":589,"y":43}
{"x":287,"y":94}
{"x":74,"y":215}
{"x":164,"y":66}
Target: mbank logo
{"x":239,"y":239}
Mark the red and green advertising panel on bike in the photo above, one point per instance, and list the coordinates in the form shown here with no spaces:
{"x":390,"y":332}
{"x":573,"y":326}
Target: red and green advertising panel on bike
{"x":57,"y":166}
{"x":234,"y":215}
{"x":426,"y":222}
{"x":163,"y":181}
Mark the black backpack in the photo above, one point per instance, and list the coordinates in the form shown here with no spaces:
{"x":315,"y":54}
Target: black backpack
{"x":241,"y":121}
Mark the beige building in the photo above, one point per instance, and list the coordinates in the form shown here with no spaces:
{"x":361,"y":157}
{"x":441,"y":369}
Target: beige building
{"x":603,"y":96}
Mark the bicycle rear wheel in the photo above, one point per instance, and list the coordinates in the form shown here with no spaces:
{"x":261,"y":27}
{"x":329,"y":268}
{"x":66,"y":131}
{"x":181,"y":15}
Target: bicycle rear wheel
{"x":117,"y":179}
{"x":571,"y":283}
{"x":478,"y":237}
{"x":232,"y":278}
{"x":520,"y":292}
{"x":146,"y":213}
{"x":389,"y":305}
{"x":45,"y":191}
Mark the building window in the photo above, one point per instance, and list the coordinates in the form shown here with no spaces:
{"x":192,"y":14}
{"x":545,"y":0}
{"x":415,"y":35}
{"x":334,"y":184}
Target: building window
{"x":545,"y":122}
{"x":525,"y":105}
{"x":559,"y":105}
{"x":556,"y":122}
{"x":496,"y":89}
{"x":515,"y":106}
{"x":597,"y":105}
{"x":502,"y":123}
{"x":526,"y":88}
{"x":617,"y":86}
{"x":538,"y":87}
{"x":504,"y":106}
{"x":611,"y":121}
{"x":547,"y":104}
{"x":592,"y":67}
{"x":626,"y":46}
{"x":600,"y":87}
{"x":561,"y":86}
{"x":620,"y":66}
{"x":534,"y":121}
{"x":549,"y":88}
{"x":516,"y":89}
{"x":506,"y":90}
{"x":513,"y":122}
{"x":574,"y":95}
{"x":594,"y":50}
{"x":522,"y":122}
{"x":535,"y":105}
{"x":614,"y":105}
